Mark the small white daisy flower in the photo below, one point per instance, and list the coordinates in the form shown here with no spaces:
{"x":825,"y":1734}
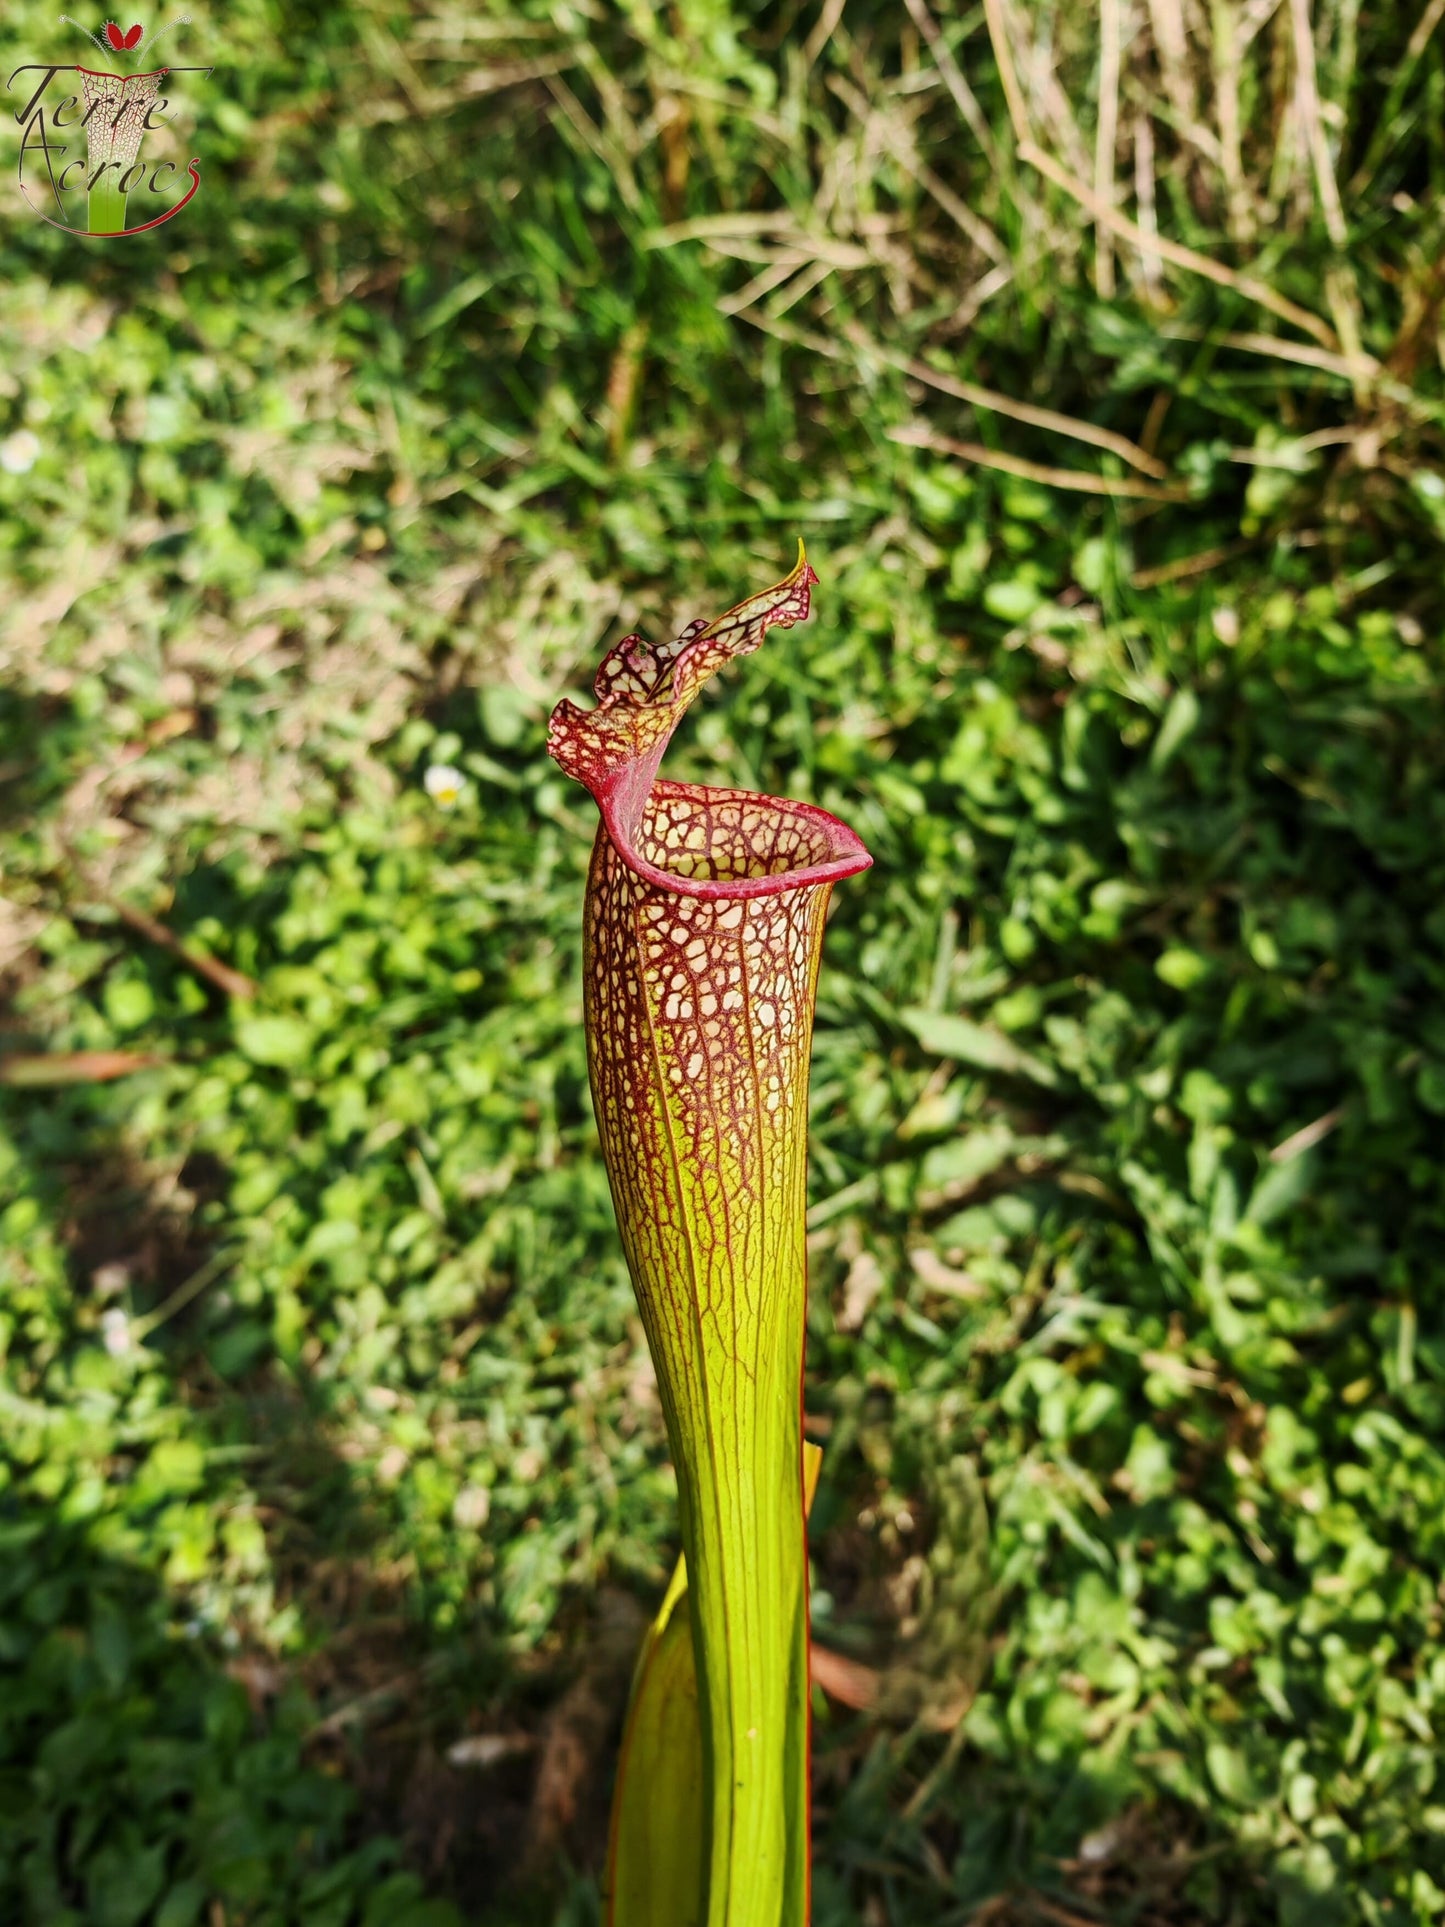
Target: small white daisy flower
{"x":444,"y":785}
{"x":115,"y":1331}
{"x":20,"y":452}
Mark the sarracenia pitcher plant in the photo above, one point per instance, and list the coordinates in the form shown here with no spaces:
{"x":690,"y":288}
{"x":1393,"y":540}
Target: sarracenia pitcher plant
{"x":702,"y":933}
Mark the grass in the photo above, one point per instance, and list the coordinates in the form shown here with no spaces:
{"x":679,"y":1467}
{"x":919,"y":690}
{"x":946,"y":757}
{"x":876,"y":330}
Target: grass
{"x":334,"y":1493}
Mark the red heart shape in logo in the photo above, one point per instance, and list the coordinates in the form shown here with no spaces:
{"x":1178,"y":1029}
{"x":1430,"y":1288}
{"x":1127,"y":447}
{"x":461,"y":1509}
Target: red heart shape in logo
{"x":121,"y":41}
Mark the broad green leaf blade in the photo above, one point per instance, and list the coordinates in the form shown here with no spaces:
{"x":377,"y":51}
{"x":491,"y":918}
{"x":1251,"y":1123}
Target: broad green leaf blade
{"x":655,"y":1858}
{"x":989,"y":1050}
{"x":655,"y":1862}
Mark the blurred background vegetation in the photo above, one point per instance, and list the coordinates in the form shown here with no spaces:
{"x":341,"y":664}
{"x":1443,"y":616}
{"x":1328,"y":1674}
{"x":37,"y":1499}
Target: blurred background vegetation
{"x":1097,"y":354}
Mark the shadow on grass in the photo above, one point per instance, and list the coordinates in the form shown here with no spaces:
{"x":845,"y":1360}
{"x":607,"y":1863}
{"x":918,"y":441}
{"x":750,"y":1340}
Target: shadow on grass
{"x":218,"y":1700}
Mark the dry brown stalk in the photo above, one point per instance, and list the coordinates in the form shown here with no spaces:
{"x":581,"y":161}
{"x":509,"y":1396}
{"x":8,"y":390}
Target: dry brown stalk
{"x":1171,"y":43}
{"x":919,"y":435}
{"x":481,"y":81}
{"x":1050,"y":103}
{"x":963,"y":95}
{"x":998,"y":33}
{"x":979,"y":397}
{"x":1106,"y":139}
{"x":1255,"y":18}
{"x":1423,"y":300}
{"x":1427,"y":23}
{"x":801,"y":285}
{"x":622,"y":380}
{"x":43,"y":1070}
{"x":1225,"y":53}
{"x":232,"y":983}
{"x":1166,"y":21}
{"x":928,"y":1786}
{"x":989,"y":398}
{"x":984,"y":290}
{"x":1305,"y":357}
{"x":823,"y":30}
{"x":1305,"y":1138}
{"x":978,"y":231}
{"x":1290,"y":455}
{"x":705,"y":227}
{"x":1186,"y":565}
{"x":1307,"y":100}
{"x":1340,"y":286}
{"x":1149,"y":264}
{"x":1020,"y":411}
{"x":773,"y":276}
{"x":1246,"y":285}
{"x":606,"y":150}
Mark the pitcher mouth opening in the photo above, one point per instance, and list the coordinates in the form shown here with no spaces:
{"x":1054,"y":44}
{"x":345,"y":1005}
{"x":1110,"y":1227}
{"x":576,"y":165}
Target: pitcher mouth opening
{"x":686,"y":839}
{"x":725,"y":844}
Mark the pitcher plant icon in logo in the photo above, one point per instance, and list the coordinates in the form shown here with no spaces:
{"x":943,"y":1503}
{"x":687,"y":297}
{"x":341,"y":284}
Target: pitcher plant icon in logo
{"x":124,"y":192}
